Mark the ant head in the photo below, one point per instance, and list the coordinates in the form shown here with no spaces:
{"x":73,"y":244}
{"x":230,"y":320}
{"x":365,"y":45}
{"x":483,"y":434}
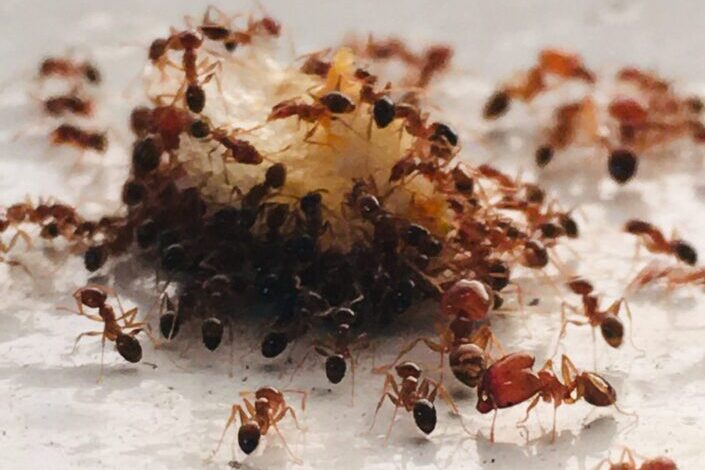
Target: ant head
{"x":274,"y":344}
{"x":468,"y":363}
{"x":129,"y":347}
{"x":658,"y":463}
{"x":595,"y":389}
{"x":580,"y":286}
{"x":408,"y":369}
{"x":248,"y":437}
{"x":425,"y":415}
{"x":335,"y":368}
{"x":93,"y":297}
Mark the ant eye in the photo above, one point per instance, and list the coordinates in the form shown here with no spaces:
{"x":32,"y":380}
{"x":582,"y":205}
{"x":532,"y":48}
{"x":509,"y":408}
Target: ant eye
{"x":248,"y":437}
{"x":274,"y":344}
{"x":425,"y":415}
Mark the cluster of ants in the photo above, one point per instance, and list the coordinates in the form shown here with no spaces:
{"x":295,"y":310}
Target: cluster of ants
{"x":268,"y":247}
{"x":75,"y":102}
{"x":644,"y":113}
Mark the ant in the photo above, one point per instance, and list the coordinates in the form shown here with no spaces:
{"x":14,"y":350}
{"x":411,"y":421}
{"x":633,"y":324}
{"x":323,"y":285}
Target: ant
{"x":322,"y":111}
{"x":63,"y":67}
{"x":551,"y":62}
{"x":67,"y":134}
{"x":415,"y":395}
{"x":239,"y":150}
{"x":95,"y":297}
{"x":628,"y":462}
{"x":232,"y":38}
{"x":610,"y":325}
{"x":511,"y":381}
{"x":655,"y":241}
{"x":70,"y":103}
{"x":674,"y":275}
{"x":257,"y":418}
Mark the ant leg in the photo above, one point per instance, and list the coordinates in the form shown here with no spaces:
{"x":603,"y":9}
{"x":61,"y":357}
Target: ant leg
{"x":553,"y":433}
{"x":286,"y":446}
{"x":531,"y":406}
{"x":432,"y":345}
{"x":234,"y":411}
{"x":79,"y":337}
{"x":628,"y":310}
{"x":388,"y":382}
{"x":102,"y":358}
{"x":391,"y":423}
{"x":293,"y":416}
{"x":352,"y":377}
{"x":494,"y":422}
{"x":13,"y":241}
{"x":83,"y":314}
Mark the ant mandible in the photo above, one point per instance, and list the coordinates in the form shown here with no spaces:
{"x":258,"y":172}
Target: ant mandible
{"x":257,"y":418}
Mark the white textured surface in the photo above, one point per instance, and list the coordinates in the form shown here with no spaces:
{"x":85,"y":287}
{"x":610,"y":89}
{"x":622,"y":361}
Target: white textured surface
{"x":52,"y":412}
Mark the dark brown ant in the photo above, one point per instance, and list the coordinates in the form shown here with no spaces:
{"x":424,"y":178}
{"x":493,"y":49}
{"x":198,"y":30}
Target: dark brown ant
{"x":237,"y":149}
{"x":123,"y":335}
{"x":64,"y":67}
{"x":655,"y":242}
{"x":415,"y":395}
{"x":67,"y":134}
{"x":257,"y":418}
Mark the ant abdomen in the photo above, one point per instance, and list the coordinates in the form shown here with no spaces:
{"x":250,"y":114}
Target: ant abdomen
{"x":335,"y":368}
{"x":612,"y":330}
{"x":129,"y":347}
{"x":169,"y":324}
{"x":248,"y":437}
{"x":274,"y":344}
{"x":212,"y":333}
{"x":468,"y":363}
{"x":596,"y":390}
{"x":425,"y":415}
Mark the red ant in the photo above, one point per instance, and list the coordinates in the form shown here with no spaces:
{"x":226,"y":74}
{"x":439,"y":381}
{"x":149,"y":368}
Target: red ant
{"x":415,"y":395}
{"x":67,"y":134}
{"x":322,"y":111}
{"x":610,"y":325}
{"x":63,"y":67}
{"x":551,"y":62}
{"x":511,"y":381}
{"x":674,"y":275}
{"x":239,"y":150}
{"x":257,"y":418}
{"x":628,"y":462}
{"x":655,"y":241}
{"x":95,"y":297}
{"x":232,"y":38}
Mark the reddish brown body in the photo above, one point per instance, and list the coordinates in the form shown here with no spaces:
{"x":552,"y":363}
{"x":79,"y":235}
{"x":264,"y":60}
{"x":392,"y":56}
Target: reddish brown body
{"x":67,"y":134}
